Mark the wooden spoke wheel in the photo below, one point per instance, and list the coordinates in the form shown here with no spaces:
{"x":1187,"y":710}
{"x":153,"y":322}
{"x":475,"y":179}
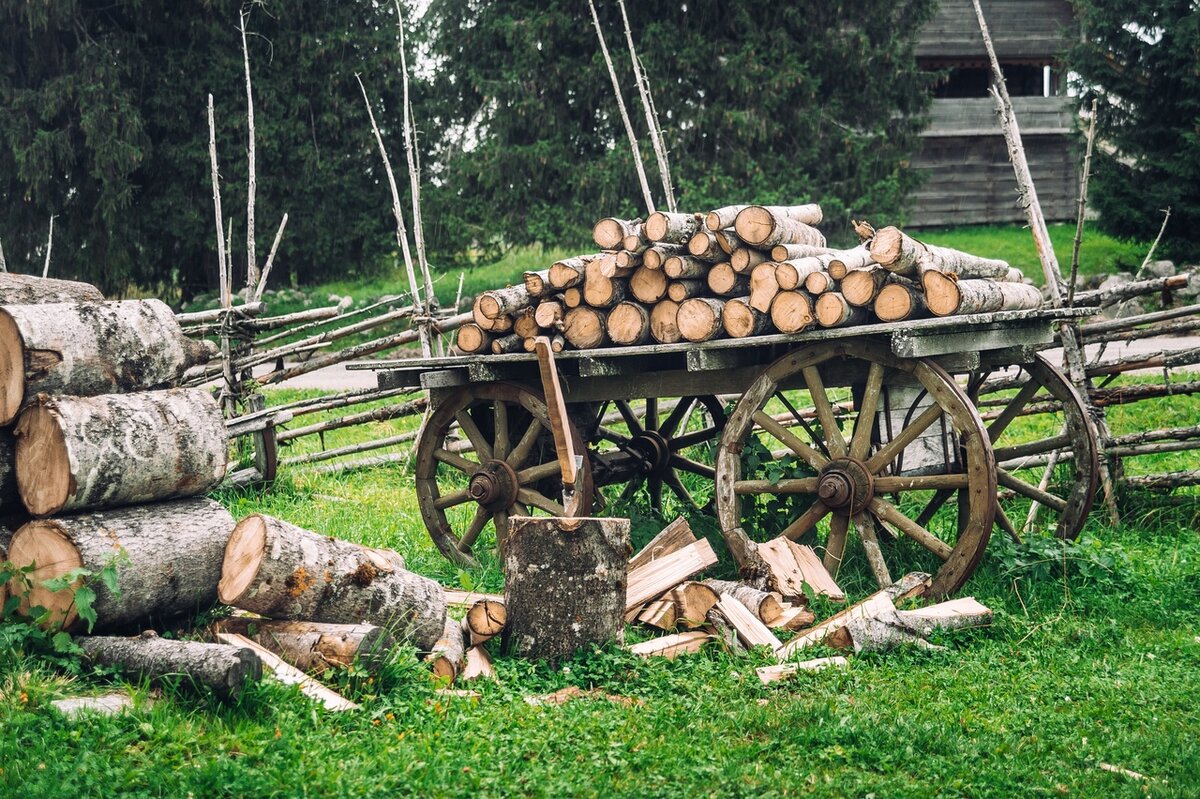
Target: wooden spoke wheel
{"x":662,"y":445}
{"x":499,"y":461}
{"x":851,"y":471}
{"x":1046,"y":448}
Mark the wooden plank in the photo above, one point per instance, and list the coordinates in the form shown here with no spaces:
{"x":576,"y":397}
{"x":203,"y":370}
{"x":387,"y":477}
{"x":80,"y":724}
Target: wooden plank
{"x":659,"y":576}
{"x":751,"y":631}
{"x":907,"y":344}
{"x":564,"y":446}
{"x":672,"y":646}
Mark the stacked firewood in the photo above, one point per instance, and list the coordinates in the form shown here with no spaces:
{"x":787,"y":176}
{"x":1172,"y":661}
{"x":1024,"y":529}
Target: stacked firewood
{"x":735,"y":272}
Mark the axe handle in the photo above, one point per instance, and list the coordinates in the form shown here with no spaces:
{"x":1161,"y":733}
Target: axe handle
{"x":557,"y":408}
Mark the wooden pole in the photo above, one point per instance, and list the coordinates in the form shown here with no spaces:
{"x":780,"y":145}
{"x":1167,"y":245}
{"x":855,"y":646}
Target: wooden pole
{"x":633,"y":143}
{"x":227,"y":398}
{"x":266,"y":272}
{"x":3,"y":263}
{"x":656,"y":138}
{"x":252,"y":273}
{"x":1081,"y":206}
{"x":401,"y":231}
{"x":49,"y":246}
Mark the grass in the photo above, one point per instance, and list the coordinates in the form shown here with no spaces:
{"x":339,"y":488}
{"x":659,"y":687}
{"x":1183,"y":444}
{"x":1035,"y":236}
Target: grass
{"x":1094,"y":658}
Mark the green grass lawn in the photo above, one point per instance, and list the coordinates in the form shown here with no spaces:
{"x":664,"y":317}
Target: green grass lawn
{"x":1093,"y":658}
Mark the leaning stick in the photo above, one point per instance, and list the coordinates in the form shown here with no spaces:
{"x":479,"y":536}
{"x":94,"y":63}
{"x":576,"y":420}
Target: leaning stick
{"x":252,"y":273}
{"x":223,"y":278}
{"x":266,"y":272}
{"x":401,"y":231}
{"x":633,"y":143}
{"x":1080,"y":207}
{"x":656,"y":140}
{"x":3,"y":263}
{"x":49,"y":246}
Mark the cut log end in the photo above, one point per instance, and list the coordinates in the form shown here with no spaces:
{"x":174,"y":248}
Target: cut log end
{"x":45,"y":544}
{"x":12,"y":369}
{"x":887,"y":245}
{"x":43,"y":464}
{"x":243,"y":556}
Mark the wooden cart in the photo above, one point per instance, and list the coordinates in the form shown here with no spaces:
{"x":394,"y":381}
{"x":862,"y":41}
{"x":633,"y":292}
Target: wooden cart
{"x":963,"y":425}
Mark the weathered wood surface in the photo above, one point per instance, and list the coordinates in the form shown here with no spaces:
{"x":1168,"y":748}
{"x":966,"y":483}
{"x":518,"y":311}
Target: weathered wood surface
{"x":87,"y":349}
{"x":565,"y":584}
{"x":168,"y":559}
{"x":223,"y":669}
{"x":75,"y":453}
{"x":283,"y":571}
{"x":30,"y":290}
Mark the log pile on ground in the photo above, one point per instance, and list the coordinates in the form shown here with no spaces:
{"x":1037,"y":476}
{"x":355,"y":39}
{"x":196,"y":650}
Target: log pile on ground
{"x":735,"y":272}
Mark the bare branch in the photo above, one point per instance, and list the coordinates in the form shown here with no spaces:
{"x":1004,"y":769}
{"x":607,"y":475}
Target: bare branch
{"x":262,"y":281}
{"x":656,"y":137}
{"x":49,"y":246}
{"x":252,"y":273}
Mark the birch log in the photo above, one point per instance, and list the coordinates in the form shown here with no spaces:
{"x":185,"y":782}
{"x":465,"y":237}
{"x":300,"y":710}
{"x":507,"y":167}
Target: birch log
{"x":699,"y":319}
{"x":744,"y":259}
{"x":167,"y":557}
{"x":763,"y":286}
{"x":282,"y":571}
{"x":843,"y":261}
{"x":30,"y":290}
{"x":503,"y":301}
{"x":680,"y":290}
{"x":790,"y":252}
{"x":722,"y":218}
{"x":75,"y":453}
{"x":898,"y":252}
{"x":678,"y":267}
{"x":765,"y":606}
{"x":669,"y":228}
{"x":472,"y":339}
{"x":946,"y":296}
{"x":608,"y":232}
{"x":766,"y":226}
{"x":899,"y":301}
{"x":311,"y":646}
{"x":664,"y":322}
{"x":222,"y":668}
{"x":832,"y":310}
{"x":861,"y":286}
{"x":704,"y":245}
{"x":499,"y":325}
{"x":741,"y":320}
{"x":629,"y":324}
{"x":86,"y":349}
{"x":656,"y":256}
{"x":537,"y":284}
{"x":649,"y":285}
{"x":791,"y":311}
{"x":790,"y":275}
{"x":724,"y":281}
{"x":584,"y":328}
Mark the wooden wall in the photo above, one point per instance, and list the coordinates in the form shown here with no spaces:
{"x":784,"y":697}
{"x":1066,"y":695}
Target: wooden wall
{"x":1021,"y":29}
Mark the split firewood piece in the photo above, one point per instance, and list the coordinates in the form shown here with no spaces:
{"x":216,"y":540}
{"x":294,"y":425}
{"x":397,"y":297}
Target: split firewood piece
{"x":766,"y":226}
{"x":790,"y":275}
{"x":792,"y":252}
{"x":88,"y":349}
{"x":741,"y":320}
{"x":672,"y":646}
{"x":699,"y":319}
{"x":793,"y":617}
{"x":744,"y":259}
{"x":649,"y":285}
{"x":680,"y":290}
{"x":791,"y":311}
{"x":671,"y":228}
{"x":654,"y":257}
{"x":549,"y":314}
{"x":314,"y":647}
{"x":513,"y":342}
{"x":167,"y":557}
{"x":722,"y":218}
{"x":485,"y":620}
{"x":660,"y":613}
{"x":565,"y":584}
{"x":448,"y":653}
{"x":584,"y":327}
{"x":841,"y":262}
{"x":944,"y":295}
{"x":75,"y":453}
{"x":628,"y":260}
{"x":477,"y":665}
{"x":465,"y":599}
{"x":725,"y":282}
{"x":764,"y":605}
{"x":763,"y":286}
{"x":537,"y":284}
{"x":499,"y":302}
{"x":664,"y":322}
{"x":781,"y":671}
{"x":661,"y":575}
{"x":608,"y":232}
{"x":282,"y":571}
{"x":954,"y":614}
{"x":18,"y":289}
{"x":678,"y":267}
{"x":819,"y":283}
{"x":832,"y":310}
{"x":723,"y":630}
{"x":672,"y":538}
{"x":887,"y":628}
{"x":693,"y":601}
{"x":897,"y":252}
{"x":750,"y":629}
{"x":861,"y":286}
{"x":290,"y":675}
{"x":223,"y":669}
{"x":792,"y":565}
{"x":500,"y":324}
{"x":629,"y":324}
{"x":910,"y":585}
{"x":704,"y":245}
{"x":897,"y":302}
{"x":525,"y":325}
{"x":473,"y":339}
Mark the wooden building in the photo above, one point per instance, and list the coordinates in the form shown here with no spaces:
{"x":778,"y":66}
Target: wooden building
{"x":968,"y":177}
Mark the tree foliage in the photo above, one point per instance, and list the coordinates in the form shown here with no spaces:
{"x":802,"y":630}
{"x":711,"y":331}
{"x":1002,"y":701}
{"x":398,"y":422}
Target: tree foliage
{"x":767,"y":102}
{"x":104,"y":125}
{"x":1139,"y":59}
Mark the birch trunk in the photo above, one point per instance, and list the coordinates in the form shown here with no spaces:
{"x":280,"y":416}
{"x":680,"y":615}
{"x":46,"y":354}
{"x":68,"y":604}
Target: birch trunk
{"x":897,"y":252}
{"x":311,"y":646}
{"x":946,"y":296}
{"x":222,"y":668}
{"x":30,"y":290}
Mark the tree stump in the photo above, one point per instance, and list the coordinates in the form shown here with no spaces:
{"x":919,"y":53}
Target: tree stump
{"x":564,"y":584}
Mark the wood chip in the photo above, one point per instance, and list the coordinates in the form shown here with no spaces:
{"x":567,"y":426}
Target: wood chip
{"x":672,"y":646}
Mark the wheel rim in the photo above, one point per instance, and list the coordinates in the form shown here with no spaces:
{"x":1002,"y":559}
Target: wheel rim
{"x":501,"y":463}
{"x":848,"y":484}
{"x":663,"y":446}
{"x":1046,"y":449}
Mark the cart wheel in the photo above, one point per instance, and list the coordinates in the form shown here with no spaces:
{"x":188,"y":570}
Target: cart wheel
{"x":1047,"y":461}
{"x":505,"y":466}
{"x":659,"y":444}
{"x":805,"y":461}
